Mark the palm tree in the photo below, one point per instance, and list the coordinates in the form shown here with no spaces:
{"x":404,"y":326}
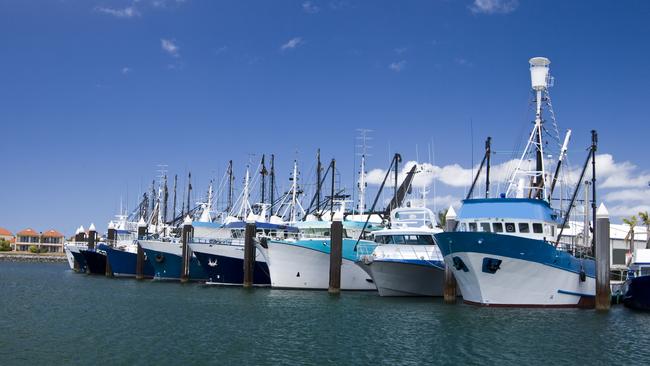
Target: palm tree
{"x":442,"y":218}
{"x":631,"y":222}
{"x":645,"y":220}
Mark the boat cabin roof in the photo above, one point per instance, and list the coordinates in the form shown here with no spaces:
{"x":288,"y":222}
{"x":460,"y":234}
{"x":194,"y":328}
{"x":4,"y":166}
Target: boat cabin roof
{"x":507,"y":208}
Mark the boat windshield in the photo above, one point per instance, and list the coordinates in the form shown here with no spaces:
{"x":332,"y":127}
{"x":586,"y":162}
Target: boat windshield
{"x":411,"y":239}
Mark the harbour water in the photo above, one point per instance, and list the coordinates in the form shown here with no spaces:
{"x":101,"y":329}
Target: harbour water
{"x":51,"y":315}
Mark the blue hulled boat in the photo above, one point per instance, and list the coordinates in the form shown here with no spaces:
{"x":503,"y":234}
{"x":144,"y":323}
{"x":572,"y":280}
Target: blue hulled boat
{"x":637,"y":286}
{"x":223,"y":259}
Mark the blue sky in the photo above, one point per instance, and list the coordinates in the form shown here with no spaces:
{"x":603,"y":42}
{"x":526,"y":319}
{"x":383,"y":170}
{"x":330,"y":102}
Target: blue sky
{"x":95,"y":94}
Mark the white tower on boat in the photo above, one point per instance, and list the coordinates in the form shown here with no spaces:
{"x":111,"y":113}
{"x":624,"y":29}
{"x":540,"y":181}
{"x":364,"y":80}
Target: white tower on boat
{"x":534,"y":179}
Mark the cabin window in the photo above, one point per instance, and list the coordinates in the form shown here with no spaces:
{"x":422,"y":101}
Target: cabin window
{"x":510,"y":227}
{"x":524,"y":227}
{"x":537,"y":228}
{"x":497,"y":227}
{"x":419,"y":239}
{"x":463,"y":227}
{"x":485,"y":227}
{"x":382,"y":239}
{"x":472,"y":226}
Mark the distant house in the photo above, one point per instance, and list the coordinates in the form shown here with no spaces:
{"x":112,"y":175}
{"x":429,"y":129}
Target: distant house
{"x":26,"y":238}
{"x":50,"y":240}
{"x":6,"y":235}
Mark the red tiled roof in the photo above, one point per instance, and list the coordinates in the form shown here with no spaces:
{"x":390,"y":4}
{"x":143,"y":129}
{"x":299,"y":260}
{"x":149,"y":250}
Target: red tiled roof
{"x":28,"y":232}
{"x":52,"y":234}
{"x":5,"y":232}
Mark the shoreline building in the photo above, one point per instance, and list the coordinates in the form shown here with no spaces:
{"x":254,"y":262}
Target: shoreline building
{"x":51,"y":240}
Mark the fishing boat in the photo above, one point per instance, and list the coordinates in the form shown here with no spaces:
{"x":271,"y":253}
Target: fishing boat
{"x":72,"y":249}
{"x":164,"y":251}
{"x":637,"y":286}
{"x":507,"y":251}
{"x":222,"y":255}
{"x":406,"y":261}
{"x":223,"y":259}
{"x":122,"y":250}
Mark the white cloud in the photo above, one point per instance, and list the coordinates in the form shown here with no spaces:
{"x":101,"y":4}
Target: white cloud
{"x":493,"y":6}
{"x":126,"y":70}
{"x":310,"y":8}
{"x":397,"y":66}
{"x":128,"y":12}
{"x":169,"y":46}
{"x":619,"y":175}
{"x":292,"y":43}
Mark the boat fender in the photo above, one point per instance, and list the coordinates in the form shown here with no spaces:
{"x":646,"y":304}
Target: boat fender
{"x":160,"y":258}
{"x":583,"y":275}
{"x":460,"y":265}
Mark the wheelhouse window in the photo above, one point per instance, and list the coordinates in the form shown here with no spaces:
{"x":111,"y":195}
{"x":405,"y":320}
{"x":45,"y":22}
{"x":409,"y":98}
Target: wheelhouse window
{"x":485,"y":227}
{"x":472,"y":226}
{"x":497,"y":227}
{"x":538,"y":228}
{"x":524,"y":227}
{"x":510,"y":227}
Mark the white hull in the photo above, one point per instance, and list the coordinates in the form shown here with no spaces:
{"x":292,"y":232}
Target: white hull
{"x":69,"y":257}
{"x":519,"y":283}
{"x":225,"y":250}
{"x":407,"y":279}
{"x":162,"y":246}
{"x":293,"y":266}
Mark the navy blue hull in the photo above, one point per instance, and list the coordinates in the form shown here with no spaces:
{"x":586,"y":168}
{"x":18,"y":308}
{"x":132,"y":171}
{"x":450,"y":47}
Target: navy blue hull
{"x":638,"y":293}
{"x":167,"y":266}
{"x":124,"y":263}
{"x":81,"y":261}
{"x":95,"y":261}
{"x":230,"y":271}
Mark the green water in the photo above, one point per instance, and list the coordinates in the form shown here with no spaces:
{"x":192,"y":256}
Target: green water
{"x":51,"y":315}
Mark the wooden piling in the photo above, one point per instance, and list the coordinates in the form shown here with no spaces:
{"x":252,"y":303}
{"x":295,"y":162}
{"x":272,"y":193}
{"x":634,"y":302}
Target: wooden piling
{"x":336,"y":257}
{"x":139,"y":261}
{"x":249,"y":255}
{"x":187,"y":254}
{"x":110,"y":240}
{"x":603,"y":289}
{"x":92,"y":236}
{"x":450,"y":286}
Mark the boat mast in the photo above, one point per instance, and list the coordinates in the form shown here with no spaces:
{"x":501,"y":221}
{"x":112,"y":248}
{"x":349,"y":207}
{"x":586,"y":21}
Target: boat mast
{"x":272,"y":183}
{"x":362,"y":184}
{"x":230,"y":181}
{"x":319,"y":170}
{"x":294,"y":191}
{"x":189,"y":190}
{"x":165,"y":198}
{"x":539,"y":71}
{"x":174,"y":205}
{"x":263,"y":174}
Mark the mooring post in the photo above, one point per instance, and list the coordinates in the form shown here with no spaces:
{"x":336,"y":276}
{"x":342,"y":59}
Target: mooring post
{"x":186,"y":238}
{"x":603,"y":290}
{"x":139,"y":261}
{"x":92,"y":236}
{"x":336,"y":257}
{"x":249,"y":254}
{"x":110,"y":241}
{"x":449,"y":290}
